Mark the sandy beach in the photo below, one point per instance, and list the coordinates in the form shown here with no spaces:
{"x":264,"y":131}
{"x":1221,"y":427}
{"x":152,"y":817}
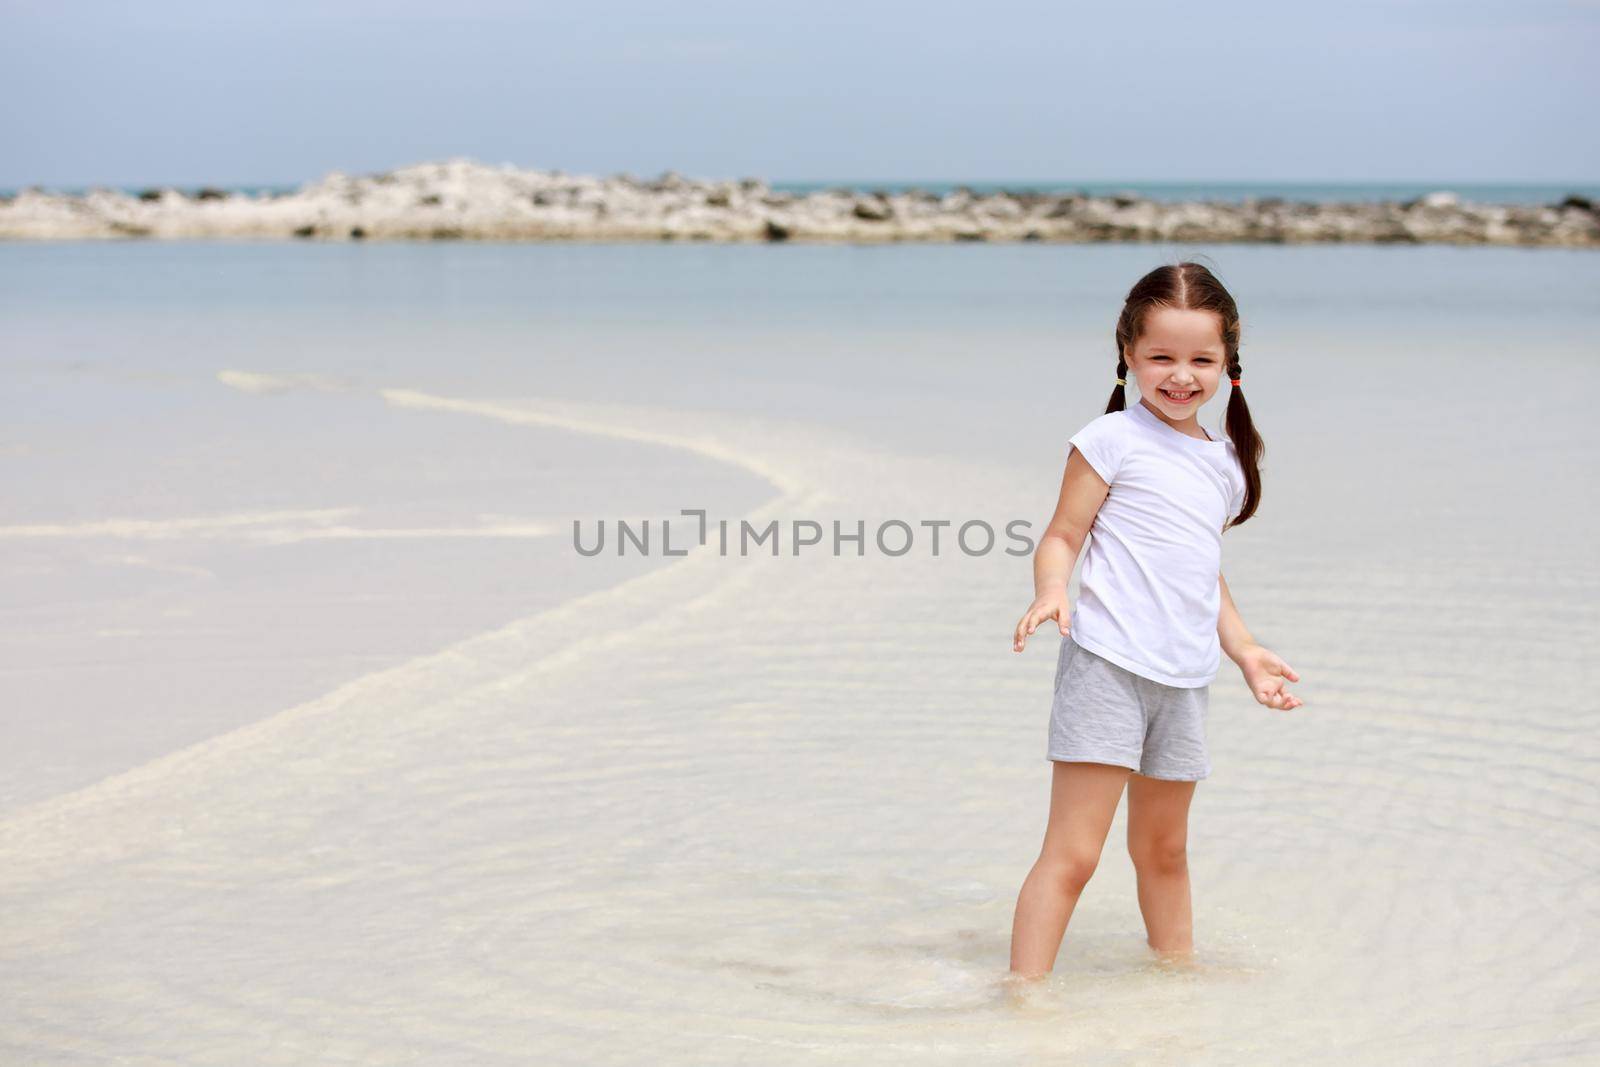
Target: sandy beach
{"x":735,"y":809}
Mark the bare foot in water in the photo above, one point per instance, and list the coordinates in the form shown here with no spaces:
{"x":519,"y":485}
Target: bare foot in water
{"x":1017,"y":989}
{"x":1178,"y":961}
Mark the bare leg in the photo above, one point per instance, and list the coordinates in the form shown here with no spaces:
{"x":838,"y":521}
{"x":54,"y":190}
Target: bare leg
{"x":1083,"y":798}
{"x":1158,"y":841}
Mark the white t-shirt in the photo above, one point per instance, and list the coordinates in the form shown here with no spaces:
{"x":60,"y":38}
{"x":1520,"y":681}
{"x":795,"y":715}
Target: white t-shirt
{"x":1149,"y":596}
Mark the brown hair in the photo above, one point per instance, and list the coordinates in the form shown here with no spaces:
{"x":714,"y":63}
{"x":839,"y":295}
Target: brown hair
{"x":1192,"y":287}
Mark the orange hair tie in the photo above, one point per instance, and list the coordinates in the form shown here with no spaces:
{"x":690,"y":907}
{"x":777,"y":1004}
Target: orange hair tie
{"x":1235,"y":381}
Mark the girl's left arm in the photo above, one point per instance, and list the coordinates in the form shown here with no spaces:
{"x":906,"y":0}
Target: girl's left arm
{"x":1264,"y":671}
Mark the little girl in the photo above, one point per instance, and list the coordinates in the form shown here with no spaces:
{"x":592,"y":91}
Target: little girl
{"x":1153,"y":616}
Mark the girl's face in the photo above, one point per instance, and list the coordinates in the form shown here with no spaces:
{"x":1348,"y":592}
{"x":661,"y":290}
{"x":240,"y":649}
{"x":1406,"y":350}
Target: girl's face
{"x":1177,"y":361}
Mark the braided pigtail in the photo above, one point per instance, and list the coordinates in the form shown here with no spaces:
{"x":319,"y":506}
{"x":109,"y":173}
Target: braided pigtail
{"x":1127,"y":329}
{"x":1246,"y":441}
{"x":1118,"y":399}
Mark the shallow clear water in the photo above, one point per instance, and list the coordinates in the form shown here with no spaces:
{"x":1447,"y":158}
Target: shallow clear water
{"x":756,"y":808}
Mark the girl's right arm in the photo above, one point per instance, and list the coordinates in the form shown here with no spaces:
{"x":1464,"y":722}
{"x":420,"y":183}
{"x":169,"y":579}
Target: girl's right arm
{"x":1082,"y":493}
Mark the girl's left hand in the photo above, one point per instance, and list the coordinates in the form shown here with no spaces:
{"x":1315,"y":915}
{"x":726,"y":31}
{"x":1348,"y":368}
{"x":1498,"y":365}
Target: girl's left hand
{"x":1265,"y":674}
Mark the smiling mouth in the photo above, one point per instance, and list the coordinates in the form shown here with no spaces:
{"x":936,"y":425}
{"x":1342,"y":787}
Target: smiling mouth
{"x":1180,"y":398}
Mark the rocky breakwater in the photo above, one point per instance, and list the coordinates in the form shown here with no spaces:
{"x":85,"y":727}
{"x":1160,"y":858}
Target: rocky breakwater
{"x":463,"y":199}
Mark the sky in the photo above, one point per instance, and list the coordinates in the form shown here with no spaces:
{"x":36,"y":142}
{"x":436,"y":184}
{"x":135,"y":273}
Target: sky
{"x":227,"y":93}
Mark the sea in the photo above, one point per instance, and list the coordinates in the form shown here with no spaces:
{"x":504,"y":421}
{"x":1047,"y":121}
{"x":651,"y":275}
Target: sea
{"x":324,"y":742}
{"x":1236,"y":192}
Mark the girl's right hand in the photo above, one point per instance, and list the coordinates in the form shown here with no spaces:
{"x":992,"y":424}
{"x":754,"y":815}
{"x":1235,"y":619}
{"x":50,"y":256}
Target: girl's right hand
{"x":1051,"y":605}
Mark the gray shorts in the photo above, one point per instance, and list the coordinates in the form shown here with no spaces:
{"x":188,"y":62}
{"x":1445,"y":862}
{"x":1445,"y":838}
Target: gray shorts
{"x":1104,"y":713}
